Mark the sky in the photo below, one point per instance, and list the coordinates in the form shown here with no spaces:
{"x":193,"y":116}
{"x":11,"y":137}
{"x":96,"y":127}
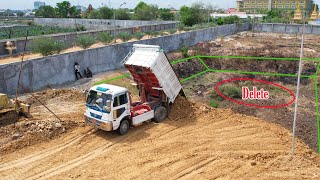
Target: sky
{"x":28,"y":4}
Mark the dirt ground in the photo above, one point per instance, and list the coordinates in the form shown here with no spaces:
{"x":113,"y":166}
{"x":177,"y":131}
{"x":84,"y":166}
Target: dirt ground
{"x":195,"y":142}
{"x":201,"y":88}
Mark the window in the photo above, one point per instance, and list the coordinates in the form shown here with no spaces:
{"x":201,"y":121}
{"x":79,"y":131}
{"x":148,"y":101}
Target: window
{"x":120,"y":100}
{"x":93,"y":96}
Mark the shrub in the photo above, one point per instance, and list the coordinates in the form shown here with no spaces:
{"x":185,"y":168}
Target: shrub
{"x":216,"y":96}
{"x":105,"y":38}
{"x":214,"y":104}
{"x":212,"y":24}
{"x":229,"y":91}
{"x":149,"y":33}
{"x":155,"y":33}
{"x":181,"y":27}
{"x":162,"y":33}
{"x":138,"y":35}
{"x":184,"y":51}
{"x":85,"y":41}
{"x":80,"y":28}
{"x":188,"y":28}
{"x":30,"y":23}
{"x":124,"y":36}
{"x":47,"y":46}
{"x":172,"y":31}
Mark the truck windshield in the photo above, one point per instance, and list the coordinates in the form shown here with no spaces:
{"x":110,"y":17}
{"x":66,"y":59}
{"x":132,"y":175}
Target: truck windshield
{"x":93,"y":96}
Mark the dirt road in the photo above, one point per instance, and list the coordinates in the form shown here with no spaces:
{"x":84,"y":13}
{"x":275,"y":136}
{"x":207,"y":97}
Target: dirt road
{"x":194,"y":142}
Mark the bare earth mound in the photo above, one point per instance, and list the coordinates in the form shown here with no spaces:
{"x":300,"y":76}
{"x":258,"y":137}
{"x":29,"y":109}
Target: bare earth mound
{"x":194,"y":142}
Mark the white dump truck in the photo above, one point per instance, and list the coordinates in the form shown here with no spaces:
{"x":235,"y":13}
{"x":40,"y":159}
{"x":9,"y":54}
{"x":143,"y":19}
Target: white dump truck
{"x":110,"y":107}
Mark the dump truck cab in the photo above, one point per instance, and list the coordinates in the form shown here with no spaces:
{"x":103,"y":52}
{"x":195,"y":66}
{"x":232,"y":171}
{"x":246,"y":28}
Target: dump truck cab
{"x":106,"y":106}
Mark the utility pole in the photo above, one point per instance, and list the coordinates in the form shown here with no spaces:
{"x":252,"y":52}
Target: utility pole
{"x":114,"y":18}
{"x":298,"y":86}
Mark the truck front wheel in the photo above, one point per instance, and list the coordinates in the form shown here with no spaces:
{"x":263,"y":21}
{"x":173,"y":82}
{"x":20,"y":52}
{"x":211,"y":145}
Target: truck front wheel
{"x":160,"y":114}
{"x":124,"y":127}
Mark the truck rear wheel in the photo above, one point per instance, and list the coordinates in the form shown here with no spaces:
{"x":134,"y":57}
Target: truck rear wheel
{"x":124,"y":127}
{"x":160,"y":114}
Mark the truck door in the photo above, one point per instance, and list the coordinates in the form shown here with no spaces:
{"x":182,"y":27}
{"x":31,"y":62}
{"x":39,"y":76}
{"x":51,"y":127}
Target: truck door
{"x":120,"y":109}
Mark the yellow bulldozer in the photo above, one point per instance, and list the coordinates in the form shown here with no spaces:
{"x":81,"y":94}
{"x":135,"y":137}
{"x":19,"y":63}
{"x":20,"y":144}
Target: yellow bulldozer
{"x":10,"y":110}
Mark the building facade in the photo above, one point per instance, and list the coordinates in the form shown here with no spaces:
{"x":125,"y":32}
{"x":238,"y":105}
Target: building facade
{"x":38,"y":4}
{"x":256,"y":6}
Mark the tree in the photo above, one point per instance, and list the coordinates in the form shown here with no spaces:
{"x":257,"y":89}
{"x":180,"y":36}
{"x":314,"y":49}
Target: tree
{"x":231,"y":20}
{"x":140,"y":5}
{"x":277,"y":16}
{"x":166,"y":15}
{"x":144,"y":11}
{"x":20,"y":14}
{"x":46,"y":12}
{"x":122,"y":14}
{"x":94,"y":14}
{"x":8,"y":12}
{"x":8,"y":31}
{"x":105,"y":13}
{"x":65,"y":10}
{"x":192,"y":15}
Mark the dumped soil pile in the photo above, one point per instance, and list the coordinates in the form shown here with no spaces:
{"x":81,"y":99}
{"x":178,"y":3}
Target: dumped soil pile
{"x":195,"y":142}
{"x":181,"y":109}
{"x":67,"y":104}
{"x":58,"y":94}
{"x":26,"y":133}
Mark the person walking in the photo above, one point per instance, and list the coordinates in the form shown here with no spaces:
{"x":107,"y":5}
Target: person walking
{"x":77,"y":70}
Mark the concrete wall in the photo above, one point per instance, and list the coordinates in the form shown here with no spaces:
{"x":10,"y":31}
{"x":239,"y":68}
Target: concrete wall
{"x":68,"y":38}
{"x":58,"y":69}
{"x":286,"y":28}
{"x":95,"y":24}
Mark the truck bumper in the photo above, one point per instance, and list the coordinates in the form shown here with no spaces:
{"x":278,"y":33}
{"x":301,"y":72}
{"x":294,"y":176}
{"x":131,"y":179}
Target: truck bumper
{"x":106,"y":126}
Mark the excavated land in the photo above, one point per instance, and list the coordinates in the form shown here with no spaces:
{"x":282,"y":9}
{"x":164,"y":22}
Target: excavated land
{"x":196,"y":141}
{"x":201,"y":89}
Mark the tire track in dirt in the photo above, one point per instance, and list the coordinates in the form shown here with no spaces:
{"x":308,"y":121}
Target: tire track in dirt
{"x":50,"y":172}
{"x":194,"y":169}
{"x":42,"y":154}
{"x":73,"y":163}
